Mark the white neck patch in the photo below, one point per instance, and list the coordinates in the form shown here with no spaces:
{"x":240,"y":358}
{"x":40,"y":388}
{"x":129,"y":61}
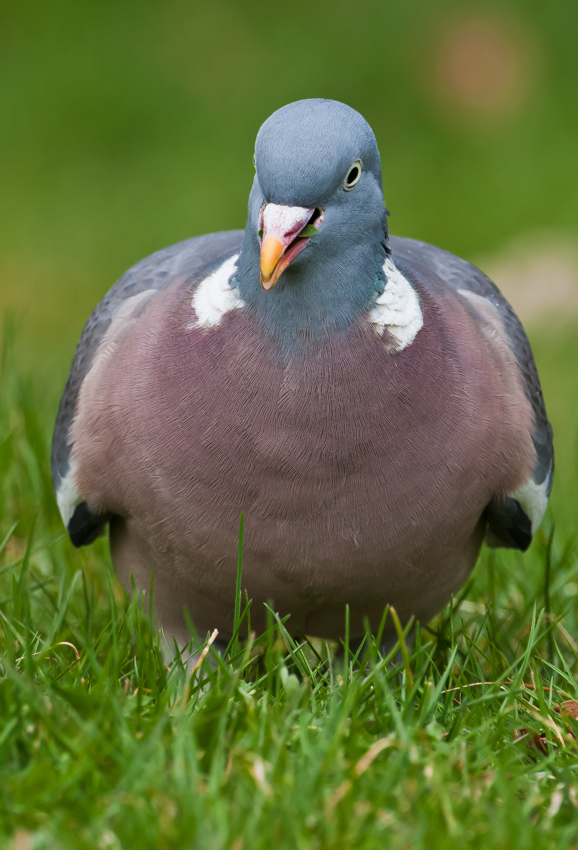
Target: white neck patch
{"x":397,"y":309}
{"x":214,"y":296}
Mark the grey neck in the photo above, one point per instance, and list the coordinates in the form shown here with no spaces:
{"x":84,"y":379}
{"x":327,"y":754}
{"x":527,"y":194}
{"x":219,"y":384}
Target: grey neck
{"x":322,"y":295}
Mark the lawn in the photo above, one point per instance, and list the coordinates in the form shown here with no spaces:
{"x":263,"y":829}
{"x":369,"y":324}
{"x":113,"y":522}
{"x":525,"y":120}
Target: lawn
{"x":465,"y":740}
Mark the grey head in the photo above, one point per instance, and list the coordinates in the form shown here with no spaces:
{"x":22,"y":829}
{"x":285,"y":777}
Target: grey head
{"x":317,"y":165}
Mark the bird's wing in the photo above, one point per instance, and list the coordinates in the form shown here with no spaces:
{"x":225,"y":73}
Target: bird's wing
{"x":191,"y":260}
{"x":513,"y":519}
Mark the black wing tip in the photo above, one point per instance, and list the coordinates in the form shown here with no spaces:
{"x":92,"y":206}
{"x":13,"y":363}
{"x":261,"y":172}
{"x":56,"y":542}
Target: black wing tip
{"x":85,"y":526}
{"x":509,"y":526}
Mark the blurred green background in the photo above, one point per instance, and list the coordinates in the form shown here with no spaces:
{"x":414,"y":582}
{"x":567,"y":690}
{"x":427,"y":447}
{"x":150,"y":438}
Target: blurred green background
{"x":127,"y":126}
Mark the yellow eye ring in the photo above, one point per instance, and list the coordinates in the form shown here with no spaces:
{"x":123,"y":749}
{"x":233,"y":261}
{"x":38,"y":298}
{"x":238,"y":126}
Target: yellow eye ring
{"x":353,"y":176}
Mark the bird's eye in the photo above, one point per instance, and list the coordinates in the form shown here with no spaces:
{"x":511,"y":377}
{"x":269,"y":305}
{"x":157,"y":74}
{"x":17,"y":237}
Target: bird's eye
{"x":353,"y":176}
{"x":254,"y":163}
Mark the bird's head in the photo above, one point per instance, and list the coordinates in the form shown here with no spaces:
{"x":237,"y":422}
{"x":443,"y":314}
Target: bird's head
{"x":317,"y":228}
{"x":317,"y":186}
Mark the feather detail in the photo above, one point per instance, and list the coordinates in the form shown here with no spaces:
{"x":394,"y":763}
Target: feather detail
{"x":215,"y":297}
{"x":397,"y":310}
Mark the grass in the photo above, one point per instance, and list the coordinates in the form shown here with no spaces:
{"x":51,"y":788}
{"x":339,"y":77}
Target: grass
{"x":464,"y":739}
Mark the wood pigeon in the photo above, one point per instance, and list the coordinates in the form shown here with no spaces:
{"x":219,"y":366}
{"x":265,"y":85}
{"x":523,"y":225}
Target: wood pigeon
{"x":369,"y":402}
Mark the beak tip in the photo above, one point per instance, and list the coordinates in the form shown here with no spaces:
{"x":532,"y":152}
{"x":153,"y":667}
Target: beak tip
{"x":271,"y":252}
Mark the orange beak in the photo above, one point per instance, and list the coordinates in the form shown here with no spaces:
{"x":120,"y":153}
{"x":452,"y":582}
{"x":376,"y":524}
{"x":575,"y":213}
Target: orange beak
{"x":271,"y":252}
{"x":281,"y":227}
